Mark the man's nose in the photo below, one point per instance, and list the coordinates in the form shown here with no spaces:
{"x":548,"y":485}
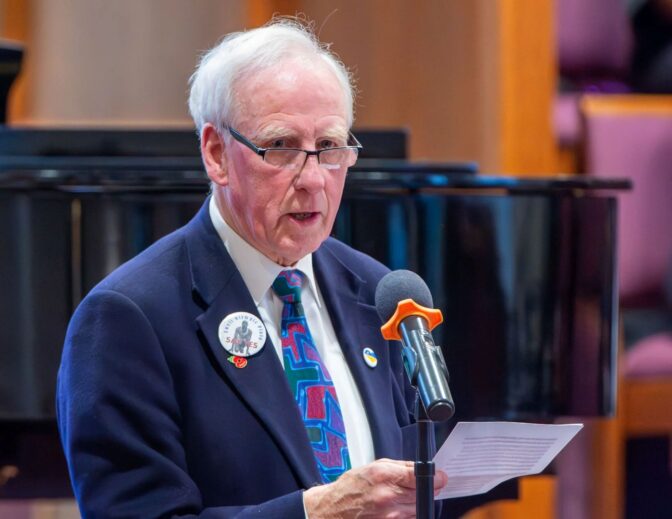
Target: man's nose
{"x":312,"y":175}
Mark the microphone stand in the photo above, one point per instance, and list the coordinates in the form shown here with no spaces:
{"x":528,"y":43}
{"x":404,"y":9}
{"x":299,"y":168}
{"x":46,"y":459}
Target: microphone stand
{"x":424,"y":466}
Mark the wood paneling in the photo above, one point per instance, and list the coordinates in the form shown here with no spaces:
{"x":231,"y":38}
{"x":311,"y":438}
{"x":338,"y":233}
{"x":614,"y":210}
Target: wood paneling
{"x":14,"y":19}
{"x":261,"y":11}
{"x":121,"y":63}
{"x":536,"y":500}
{"x":630,"y":104}
{"x":527,"y":77}
{"x":15,"y":24}
{"x":648,"y":405}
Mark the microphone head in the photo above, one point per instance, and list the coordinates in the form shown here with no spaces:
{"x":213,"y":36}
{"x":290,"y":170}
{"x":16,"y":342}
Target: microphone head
{"x":397,"y":286}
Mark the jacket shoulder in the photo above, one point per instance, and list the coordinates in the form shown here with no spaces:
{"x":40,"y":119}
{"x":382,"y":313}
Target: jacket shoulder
{"x":159,"y":265}
{"x":367,"y":268}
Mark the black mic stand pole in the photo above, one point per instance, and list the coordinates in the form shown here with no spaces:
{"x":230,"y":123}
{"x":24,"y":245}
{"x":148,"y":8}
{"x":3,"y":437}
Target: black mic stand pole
{"x":424,"y":466}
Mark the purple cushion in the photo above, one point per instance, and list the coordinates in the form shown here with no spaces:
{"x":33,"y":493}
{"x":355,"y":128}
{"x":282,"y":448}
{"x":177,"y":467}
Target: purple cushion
{"x":650,"y":357}
{"x":637,"y":145}
{"x":594,"y":38}
{"x":566,"y":119}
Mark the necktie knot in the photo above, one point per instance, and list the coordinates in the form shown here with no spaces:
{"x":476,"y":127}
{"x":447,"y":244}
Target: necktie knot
{"x":287,"y":286}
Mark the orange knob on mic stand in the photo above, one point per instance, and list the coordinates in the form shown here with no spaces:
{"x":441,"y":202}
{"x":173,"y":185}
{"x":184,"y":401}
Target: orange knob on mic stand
{"x":406,"y":308}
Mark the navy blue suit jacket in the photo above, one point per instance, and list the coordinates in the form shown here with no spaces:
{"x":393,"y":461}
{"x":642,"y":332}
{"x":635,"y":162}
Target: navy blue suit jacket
{"x":154,"y":420}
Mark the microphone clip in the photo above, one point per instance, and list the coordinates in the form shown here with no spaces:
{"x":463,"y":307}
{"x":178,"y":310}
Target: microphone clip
{"x":407,"y":308}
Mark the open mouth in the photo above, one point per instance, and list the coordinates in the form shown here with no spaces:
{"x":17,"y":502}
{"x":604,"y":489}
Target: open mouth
{"x":302,"y":217}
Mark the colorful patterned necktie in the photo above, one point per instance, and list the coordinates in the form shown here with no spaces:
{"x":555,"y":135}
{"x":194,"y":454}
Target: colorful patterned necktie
{"x":310,"y":381}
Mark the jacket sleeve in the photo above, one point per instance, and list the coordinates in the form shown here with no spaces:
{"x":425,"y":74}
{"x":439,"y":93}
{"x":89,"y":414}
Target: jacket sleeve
{"x":120,"y":423}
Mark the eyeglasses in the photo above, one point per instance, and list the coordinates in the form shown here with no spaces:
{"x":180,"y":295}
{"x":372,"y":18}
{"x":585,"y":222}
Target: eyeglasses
{"x":294,"y":158}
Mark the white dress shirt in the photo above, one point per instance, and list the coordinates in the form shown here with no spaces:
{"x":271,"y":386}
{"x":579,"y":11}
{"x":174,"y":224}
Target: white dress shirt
{"x":258,"y":273}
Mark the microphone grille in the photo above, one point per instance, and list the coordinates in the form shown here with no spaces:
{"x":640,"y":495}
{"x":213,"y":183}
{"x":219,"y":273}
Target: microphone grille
{"x":397,"y":286}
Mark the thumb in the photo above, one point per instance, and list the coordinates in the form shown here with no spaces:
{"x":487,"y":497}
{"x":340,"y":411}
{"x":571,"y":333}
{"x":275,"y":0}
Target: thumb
{"x":440,"y":480}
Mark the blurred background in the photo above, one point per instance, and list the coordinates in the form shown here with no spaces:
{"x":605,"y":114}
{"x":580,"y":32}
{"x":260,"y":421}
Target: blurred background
{"x":527,"y":88}
{"x":462,"y":76}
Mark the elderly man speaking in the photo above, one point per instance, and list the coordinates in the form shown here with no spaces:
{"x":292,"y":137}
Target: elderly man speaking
{"x":235,"y":368}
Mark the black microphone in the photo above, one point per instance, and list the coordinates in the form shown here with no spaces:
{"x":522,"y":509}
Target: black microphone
{"x":404,"y":304}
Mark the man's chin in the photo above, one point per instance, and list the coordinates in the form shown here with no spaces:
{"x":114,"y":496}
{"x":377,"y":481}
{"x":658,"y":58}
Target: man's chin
{"x":290,"y":254}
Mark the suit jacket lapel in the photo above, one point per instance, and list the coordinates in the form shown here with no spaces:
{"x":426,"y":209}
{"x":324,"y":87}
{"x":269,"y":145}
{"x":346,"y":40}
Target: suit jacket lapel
{"x":357,"y":326}
{"x":262,"y":384}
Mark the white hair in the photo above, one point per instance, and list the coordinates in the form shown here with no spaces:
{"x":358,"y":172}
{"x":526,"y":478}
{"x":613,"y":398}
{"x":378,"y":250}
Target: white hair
{"x":213,"y":84}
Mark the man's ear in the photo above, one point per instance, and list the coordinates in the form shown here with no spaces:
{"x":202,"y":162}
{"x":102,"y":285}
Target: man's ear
{"x":213,"y":152}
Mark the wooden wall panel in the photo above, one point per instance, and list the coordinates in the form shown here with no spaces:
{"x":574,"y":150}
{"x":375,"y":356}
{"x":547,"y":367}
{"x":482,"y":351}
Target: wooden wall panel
{"x":14,"y":16}
{"x":527,"y":82}
{"x":101,"y":63}
{"x":417,"y":66}
{"x":261,"y":11}
{"x":15,"y":24}
{"x":536,"y":500}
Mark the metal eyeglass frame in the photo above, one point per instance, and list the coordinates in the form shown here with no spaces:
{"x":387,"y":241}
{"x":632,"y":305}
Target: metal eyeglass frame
{"x":262,"y":151}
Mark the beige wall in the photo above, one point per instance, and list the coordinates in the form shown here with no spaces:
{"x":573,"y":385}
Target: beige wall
{"x":39,"y":509}
{"x":121,"y":62}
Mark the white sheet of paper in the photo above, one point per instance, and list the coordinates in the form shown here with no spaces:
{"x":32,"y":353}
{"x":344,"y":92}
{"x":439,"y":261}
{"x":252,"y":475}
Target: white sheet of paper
{"x":478,"y":456}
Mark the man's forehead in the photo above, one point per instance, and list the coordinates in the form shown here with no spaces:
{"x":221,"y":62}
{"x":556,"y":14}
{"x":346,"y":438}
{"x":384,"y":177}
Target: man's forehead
{"x":292,"y":88}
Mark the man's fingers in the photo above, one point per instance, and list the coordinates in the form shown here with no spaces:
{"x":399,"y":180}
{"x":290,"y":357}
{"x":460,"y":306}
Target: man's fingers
{"x":405,"y":475}
{"x":440,"y":480}
{"x":406,"y":478}
{"x":384,"y":488}
{"x":408,"y":482}
{"x":398,"y":473}
{"x":399,"y":463}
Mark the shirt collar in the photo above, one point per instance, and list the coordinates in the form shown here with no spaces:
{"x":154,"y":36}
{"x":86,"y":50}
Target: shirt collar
{"x":257,"y":270}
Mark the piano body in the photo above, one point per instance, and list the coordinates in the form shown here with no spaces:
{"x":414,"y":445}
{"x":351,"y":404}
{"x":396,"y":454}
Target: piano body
{"x":523,"y":269}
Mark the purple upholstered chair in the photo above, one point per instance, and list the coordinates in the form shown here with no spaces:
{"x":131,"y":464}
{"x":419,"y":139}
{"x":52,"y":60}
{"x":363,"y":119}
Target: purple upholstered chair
{"x":594,"y":44}
{"x":631,"y":137}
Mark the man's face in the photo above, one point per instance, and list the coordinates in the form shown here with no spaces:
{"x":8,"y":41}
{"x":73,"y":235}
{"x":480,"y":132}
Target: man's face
{"x":284,"y":213}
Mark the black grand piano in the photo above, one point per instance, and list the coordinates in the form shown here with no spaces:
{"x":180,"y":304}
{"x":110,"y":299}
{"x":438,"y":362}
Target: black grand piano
{"x":522,"y":268}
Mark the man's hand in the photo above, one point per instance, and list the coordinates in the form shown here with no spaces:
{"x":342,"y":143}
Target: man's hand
{"x":383,"y":489}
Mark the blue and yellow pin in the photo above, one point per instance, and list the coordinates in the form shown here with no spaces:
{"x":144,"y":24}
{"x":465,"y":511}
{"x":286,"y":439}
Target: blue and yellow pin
{"x":370,"y":357}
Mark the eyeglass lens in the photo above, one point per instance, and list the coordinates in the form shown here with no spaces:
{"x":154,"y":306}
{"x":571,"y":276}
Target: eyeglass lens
{"x":329,"y":159}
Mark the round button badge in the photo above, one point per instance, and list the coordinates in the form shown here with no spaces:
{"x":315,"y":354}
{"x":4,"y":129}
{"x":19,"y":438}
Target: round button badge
{"x":242,"y":334}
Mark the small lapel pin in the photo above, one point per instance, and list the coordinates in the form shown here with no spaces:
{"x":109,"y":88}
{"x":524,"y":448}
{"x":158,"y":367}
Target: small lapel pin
{"x":370,"y":357}
{"x":242,"y":334}
{"x":239,"y":362}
